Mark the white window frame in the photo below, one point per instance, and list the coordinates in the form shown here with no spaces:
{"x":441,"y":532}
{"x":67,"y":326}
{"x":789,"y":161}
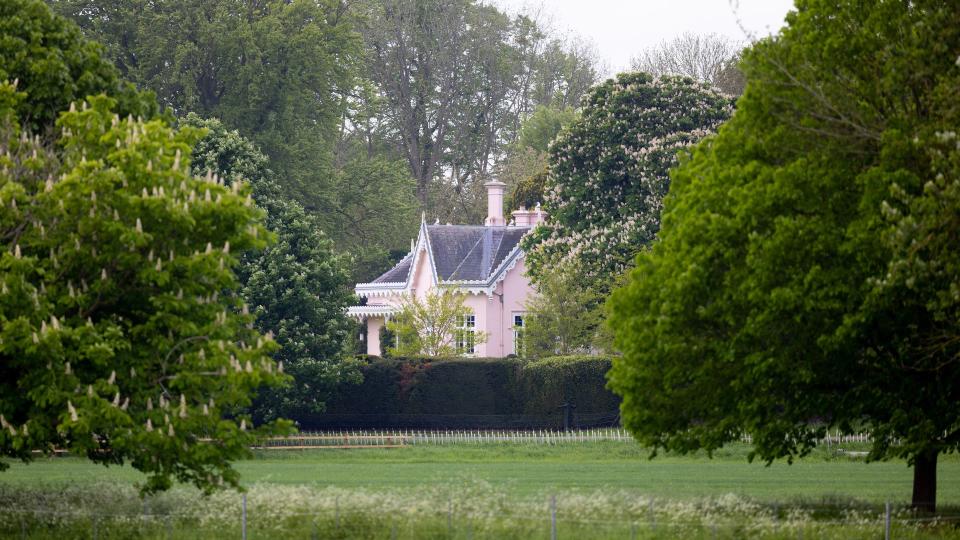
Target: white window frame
{"x":518,"y":345}
{"x":466,"y":326}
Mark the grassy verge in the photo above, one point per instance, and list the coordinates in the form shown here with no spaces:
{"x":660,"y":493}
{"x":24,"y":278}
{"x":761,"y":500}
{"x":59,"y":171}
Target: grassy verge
{"x":603,"y":490}
{"x":469,"y":509}
{"x":537,"y":470}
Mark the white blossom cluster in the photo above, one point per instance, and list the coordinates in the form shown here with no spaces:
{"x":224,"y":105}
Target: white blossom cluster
{"x":609,"y":172}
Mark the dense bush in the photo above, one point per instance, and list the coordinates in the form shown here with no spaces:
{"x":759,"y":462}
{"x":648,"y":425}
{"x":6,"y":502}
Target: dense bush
{"x":475,"y":392}
{"x":548,"y":383}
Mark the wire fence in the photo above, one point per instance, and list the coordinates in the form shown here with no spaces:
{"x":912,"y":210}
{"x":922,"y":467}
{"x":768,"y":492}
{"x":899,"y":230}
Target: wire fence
{"x":552,"y":520}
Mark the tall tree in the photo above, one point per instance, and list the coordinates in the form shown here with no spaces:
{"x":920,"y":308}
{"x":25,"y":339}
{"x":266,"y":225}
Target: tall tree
{"x":297,"y":287}
{"x":120,"y":341}
{"x":524,"y":169}
{"x":456,"y":77}
{"x":120,"y":338}
{"x":709,"y":58}
{"x":57,"y":66}
{"x":609,"y":173}
{"x":278,"y":71}
{"x":805,"y":276}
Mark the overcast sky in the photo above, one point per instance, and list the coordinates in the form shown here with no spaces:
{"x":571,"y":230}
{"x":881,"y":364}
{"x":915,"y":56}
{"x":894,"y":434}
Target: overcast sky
{"x":621,"y":28}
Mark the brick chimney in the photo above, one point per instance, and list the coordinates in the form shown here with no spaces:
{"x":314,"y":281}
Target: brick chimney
{"x":495,"y":204}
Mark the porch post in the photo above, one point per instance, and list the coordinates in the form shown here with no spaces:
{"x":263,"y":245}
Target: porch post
{"x":374,"y":324}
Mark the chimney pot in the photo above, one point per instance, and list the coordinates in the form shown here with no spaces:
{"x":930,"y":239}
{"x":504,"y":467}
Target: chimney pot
{"x":495,"y":204}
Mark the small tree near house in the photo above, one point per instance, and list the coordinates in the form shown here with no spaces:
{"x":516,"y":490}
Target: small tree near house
{"x":437,"y":325}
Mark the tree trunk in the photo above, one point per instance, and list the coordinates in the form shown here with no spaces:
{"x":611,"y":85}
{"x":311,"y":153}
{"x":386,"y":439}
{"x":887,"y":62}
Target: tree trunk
{"x":925,"y":482}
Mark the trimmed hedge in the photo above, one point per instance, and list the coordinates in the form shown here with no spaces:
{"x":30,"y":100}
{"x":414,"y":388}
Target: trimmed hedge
{"x":473,"y":393}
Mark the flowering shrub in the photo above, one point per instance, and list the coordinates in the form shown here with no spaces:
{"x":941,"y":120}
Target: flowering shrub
{"x":608,"y":172}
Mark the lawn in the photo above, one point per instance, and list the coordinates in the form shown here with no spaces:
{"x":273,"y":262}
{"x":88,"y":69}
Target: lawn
{"x":528,"y":470}
{"x":602,"y":489}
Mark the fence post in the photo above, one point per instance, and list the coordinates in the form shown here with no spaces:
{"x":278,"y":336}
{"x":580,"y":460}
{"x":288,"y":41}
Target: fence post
{"x":653,"y":517}
{"x":553,"y":517}
{"x":450,"y":518}
{"x":243,"y":517}
{"x":886,"y":535}
{"x":336,"y":512}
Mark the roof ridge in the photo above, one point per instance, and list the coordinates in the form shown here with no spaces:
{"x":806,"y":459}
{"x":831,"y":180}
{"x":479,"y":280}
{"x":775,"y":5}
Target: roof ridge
{"x":494,"y":251}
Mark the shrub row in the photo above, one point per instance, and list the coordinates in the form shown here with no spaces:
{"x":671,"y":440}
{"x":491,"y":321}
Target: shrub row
{"x":473,"y":393}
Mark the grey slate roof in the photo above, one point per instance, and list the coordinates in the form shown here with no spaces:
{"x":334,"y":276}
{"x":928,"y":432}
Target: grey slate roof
{"x":397,"y":274}
{"x":462,"y":252}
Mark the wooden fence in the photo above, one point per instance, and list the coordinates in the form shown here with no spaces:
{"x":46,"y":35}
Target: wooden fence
{"x":396,"y":438}
{"x":411,"y":437}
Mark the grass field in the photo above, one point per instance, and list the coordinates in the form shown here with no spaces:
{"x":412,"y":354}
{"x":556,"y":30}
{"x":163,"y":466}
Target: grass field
{"x":527,"y":470}
{"x":444,"y":491}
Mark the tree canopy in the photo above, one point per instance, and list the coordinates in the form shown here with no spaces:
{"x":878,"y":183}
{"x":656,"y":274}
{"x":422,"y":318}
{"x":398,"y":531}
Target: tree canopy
{"x":608,"y":173}
{"x":433,"y":326}
{"x":456,"y":77}
{"x":122,"y":337}
{"x":120,"y":340}
{"x":277,"y":71}
{"x":57,"y":66}
{"x":709,"y":58}
{"x":805,"y":275}
{"x":297,"y":286}
{"x":563,"y":318}
{"x":524,"y":169}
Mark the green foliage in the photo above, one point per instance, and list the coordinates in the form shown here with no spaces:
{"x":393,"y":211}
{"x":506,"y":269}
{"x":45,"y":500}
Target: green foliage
{"x":278,"y":71}
{"x":807,"y":267}
{"x":528,"y":191}
{"x":563,"y":317}
{"x":371,"y":210}
{"x":541,"y":128}
{"x":433,"y":326}
{"x":55,"y":66}
{"x":608,"y":173}
{"x":455,"y":78}
{"x":298,"y":285}
{"x":549,"y":382}
{"x":525,"y":168}
{"x":476,"y":387}
{"x":121,"y":337}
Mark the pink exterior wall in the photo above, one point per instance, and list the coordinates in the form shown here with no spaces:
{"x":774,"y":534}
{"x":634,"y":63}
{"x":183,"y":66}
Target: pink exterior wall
{"x":479,"y":305}
{"x":516,"y":291}
{"x":422,"y":278}
{"x":493,"y":314}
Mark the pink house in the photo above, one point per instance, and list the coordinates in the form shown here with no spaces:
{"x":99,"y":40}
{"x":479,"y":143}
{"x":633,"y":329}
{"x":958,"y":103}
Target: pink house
{"x":483,"y":261}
